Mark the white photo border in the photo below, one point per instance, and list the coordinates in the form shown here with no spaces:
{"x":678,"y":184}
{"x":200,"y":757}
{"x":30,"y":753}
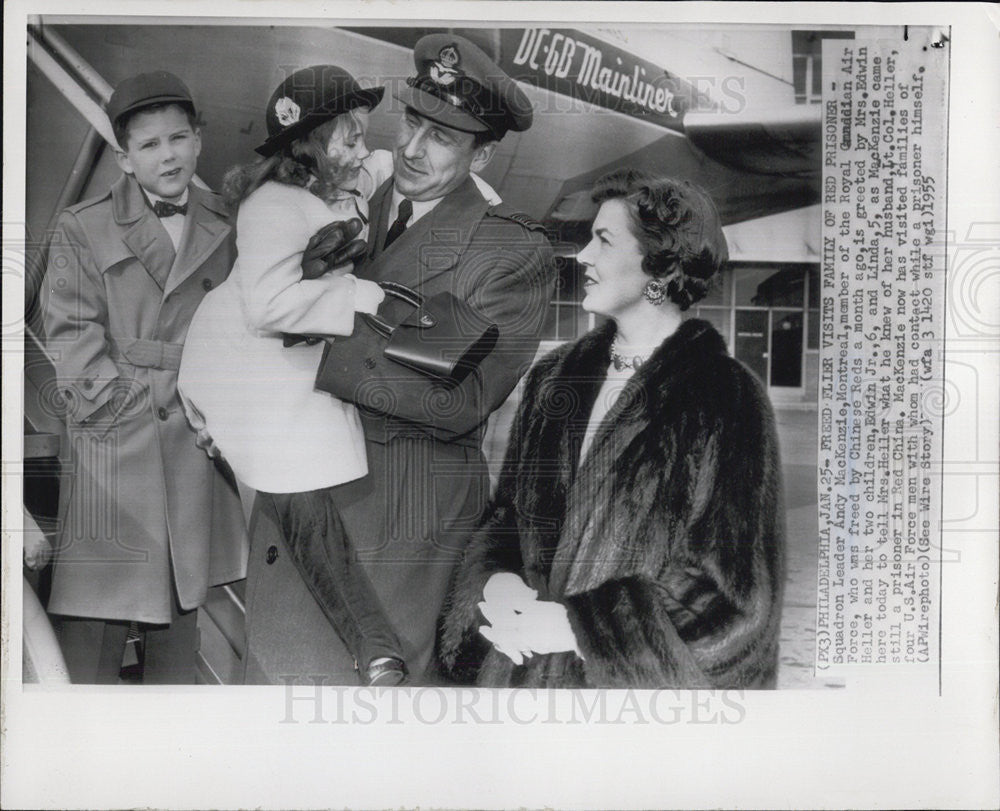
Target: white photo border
{"x":236,"y":747}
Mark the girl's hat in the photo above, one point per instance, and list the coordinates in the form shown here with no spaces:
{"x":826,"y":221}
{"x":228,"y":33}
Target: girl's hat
{"x":310,"y":97}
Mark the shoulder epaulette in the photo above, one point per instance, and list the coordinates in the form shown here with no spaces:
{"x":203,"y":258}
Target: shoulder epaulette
{"x":507,"y":212}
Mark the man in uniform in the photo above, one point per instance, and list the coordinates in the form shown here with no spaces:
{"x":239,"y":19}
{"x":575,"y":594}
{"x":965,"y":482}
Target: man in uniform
{"x":410,"y":518}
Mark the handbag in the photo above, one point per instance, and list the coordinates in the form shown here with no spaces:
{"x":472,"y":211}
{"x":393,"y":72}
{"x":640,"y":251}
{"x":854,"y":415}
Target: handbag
{"x":443,"y":337}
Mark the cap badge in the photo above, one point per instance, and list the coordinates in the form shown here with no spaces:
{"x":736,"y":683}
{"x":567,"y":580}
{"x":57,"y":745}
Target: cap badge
{"x":445,"y":69}
{"x":288,"y":111}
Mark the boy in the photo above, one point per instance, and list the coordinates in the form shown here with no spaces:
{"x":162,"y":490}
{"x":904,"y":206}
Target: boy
{"x":148,"y":521}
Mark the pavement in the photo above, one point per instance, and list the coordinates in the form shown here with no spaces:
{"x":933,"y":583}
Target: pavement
{"x":797,"y":434}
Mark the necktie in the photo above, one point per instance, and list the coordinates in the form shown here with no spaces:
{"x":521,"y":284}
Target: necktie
{"x":397,"y":228}
{"x":161,"y":208}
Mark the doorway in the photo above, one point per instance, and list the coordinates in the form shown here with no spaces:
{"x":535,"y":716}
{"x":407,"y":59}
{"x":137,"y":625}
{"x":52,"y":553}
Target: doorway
{"x":751,"y":340}
{"x":769,"y":343}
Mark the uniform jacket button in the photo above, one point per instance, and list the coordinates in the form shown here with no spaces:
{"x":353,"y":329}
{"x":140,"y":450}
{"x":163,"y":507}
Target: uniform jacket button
{"x":88,"y":385}
{"x":272,"y":555}
{"x":369,"y":363}
{"x":161,"y":412}
{"x":207,"y":284}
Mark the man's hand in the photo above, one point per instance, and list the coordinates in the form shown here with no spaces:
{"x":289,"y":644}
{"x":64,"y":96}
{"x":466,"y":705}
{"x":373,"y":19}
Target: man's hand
{"x":203,"y":438}
{"x":204,"y":441}
{"x":331,"y":246}
{"x":37,"y":550}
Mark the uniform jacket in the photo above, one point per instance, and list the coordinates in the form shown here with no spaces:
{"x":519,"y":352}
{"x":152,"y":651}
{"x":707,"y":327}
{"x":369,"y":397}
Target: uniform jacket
{"x":491,"y":256}
{"x":143,"y":505}
{"x":665,"y":544}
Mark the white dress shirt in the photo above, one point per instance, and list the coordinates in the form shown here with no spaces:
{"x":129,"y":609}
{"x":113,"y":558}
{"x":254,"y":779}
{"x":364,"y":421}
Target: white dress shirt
{"x":420,"y":209}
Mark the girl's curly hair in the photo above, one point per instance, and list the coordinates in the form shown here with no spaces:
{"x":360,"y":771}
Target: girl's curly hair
{"x":678,"y":229}
{"x":300,"y":163}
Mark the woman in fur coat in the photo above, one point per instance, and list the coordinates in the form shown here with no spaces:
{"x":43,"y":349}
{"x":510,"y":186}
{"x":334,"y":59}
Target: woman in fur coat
{"x":636,"y":535}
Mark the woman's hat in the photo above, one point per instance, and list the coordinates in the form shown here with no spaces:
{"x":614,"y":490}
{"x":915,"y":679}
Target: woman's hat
{"x":310,"y":97}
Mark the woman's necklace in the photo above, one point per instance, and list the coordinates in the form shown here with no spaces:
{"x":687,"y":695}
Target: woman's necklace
{"x":623,"y":361}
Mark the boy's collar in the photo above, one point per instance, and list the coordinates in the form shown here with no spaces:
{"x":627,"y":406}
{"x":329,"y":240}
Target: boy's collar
{"x":154,"y":197}
{"x":129,"y":200}
{"x":128,"y":203}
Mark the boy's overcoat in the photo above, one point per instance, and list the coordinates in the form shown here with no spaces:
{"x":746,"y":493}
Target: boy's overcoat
{"x":140,"y":500}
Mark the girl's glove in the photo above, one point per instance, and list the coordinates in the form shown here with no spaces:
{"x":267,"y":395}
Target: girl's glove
{"x":331,"y":246}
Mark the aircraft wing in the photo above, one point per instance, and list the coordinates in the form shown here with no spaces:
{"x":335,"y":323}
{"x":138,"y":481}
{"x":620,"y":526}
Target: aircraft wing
{"x":752,"y":165}
{"x":784,"y":142}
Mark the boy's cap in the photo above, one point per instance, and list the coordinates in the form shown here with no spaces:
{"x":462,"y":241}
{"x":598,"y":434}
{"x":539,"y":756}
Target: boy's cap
{"x":459,"y":86}
{"x":310,"y":97}
{"x":156,"y":87}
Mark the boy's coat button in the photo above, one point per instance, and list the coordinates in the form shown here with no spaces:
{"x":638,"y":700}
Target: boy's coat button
{"x":161,"y":412}
{"x":207,"y":284}
{"x":272,"y":555}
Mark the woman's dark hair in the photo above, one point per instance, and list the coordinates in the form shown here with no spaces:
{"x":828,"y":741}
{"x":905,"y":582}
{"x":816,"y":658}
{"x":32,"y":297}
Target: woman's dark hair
{"x":293,"y":164}
{"x":678,"y":229}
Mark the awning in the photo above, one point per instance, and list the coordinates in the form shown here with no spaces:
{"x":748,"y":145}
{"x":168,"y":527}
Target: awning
{"x":791,"y":236}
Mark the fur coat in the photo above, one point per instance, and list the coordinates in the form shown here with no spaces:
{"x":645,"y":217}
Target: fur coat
{"x":666,"y":544}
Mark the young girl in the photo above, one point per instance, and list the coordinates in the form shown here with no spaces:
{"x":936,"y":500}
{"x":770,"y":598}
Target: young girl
{"x":253,"y":396}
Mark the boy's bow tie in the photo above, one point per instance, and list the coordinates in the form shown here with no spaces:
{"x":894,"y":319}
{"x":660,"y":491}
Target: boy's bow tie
{"x":161,"y":208}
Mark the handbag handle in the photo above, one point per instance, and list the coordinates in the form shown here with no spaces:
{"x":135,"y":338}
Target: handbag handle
{"x":396,"y":290}
{"x":442,"y":338}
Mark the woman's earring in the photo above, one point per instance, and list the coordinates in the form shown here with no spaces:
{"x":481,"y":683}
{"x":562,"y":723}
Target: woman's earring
{"x":655,"y":292}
